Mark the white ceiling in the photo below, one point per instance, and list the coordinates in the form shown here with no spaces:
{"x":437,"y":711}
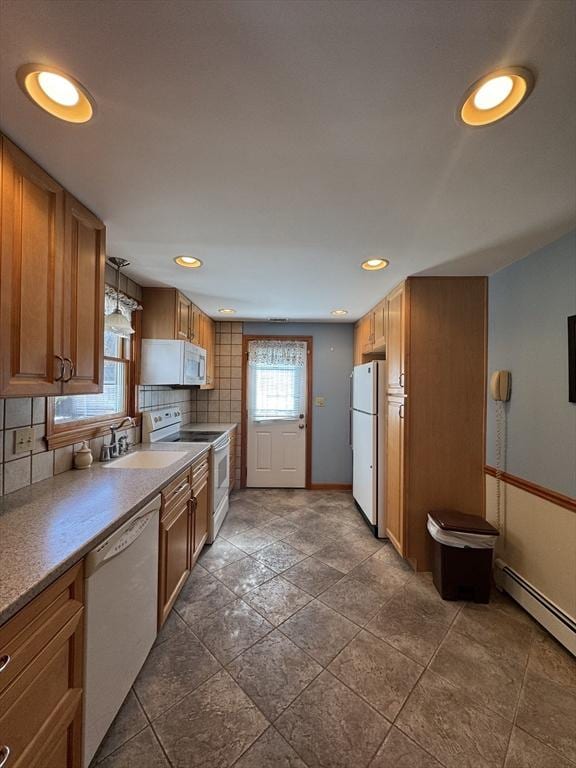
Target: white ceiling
{"x":284,"y":142}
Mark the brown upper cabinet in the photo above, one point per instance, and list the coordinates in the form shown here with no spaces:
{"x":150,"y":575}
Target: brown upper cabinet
{"x":51,"y":284}
{"x":85,"y":249}
{"x":168,"y":314}
{"x":380,"y":324}
{"x":396,"y":340}
{"x":363,"y":338}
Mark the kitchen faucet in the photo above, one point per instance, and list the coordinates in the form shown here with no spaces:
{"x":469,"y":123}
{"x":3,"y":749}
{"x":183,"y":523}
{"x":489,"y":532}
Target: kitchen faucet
{"x":116,"y":447}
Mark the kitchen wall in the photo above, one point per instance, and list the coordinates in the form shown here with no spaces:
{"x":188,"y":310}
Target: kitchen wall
{"x":223,"y":403}
{"x":529,"y":303}
{"x":332,"y":365}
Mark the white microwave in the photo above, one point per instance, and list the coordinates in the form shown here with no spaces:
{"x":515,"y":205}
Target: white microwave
{"x":172,"y":363}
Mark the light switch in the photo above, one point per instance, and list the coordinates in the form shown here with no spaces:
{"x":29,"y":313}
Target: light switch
{"x":23,"y":440}
{"x":320,"y":401}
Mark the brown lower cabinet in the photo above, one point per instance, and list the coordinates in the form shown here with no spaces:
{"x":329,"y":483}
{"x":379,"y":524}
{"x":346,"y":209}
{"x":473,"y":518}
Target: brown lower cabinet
{"x":183,"y":532}
{"x":41,"y":663}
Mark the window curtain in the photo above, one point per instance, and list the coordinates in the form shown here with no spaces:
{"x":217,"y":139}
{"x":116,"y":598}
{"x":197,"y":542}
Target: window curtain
{"x":127,"y":305}
{"x":277,"y":379}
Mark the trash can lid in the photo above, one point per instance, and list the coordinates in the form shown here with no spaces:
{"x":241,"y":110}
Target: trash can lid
{"x":458,"y":521}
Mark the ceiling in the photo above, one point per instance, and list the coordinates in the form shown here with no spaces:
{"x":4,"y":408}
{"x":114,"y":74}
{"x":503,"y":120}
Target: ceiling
{"x":284,"y":142}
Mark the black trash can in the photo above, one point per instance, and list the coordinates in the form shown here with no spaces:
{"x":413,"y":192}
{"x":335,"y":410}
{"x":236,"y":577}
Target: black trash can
{"x":463,"y":550}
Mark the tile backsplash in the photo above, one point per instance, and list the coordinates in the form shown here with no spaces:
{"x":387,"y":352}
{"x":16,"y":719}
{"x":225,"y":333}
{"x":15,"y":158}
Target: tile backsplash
{"x":222,"y":404}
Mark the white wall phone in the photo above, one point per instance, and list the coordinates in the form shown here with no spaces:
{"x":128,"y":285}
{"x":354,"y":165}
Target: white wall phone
{"x":501,"y":385}
{"x":500,"y":391}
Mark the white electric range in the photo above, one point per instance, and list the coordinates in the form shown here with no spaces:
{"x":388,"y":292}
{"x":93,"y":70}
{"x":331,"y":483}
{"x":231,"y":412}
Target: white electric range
{"x":165,"y":426}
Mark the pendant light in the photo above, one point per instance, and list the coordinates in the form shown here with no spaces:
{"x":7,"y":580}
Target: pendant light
{"x":116,"y":322}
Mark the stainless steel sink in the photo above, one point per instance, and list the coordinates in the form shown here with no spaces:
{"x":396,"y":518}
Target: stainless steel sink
{"x":146,"y":460}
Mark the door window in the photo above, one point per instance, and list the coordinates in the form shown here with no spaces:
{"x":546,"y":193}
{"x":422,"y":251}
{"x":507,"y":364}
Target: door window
{"x":277,"y":379}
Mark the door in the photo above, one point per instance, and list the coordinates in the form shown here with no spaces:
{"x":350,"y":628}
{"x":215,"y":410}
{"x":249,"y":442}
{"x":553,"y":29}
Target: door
{"x":395,"y":350}
{"x":395,"y":472}
{"x":201,"y":509}
{"x":380,"y":327}
{"x":277,"y":411}
{"x":31,"y":275}
{"x":175,"y":536}
{"x":84,"y":249}
{"x":183,"y":312}
{"x":364,"y":441}
{"x":364,"y":388}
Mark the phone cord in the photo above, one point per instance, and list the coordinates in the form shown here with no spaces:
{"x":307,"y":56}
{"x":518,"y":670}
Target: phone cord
{"x":500,"y":451}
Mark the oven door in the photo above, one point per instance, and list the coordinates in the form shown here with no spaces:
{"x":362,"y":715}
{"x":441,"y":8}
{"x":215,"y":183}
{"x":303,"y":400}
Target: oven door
{"x":194,"y":365}
{"x":221,"y":474}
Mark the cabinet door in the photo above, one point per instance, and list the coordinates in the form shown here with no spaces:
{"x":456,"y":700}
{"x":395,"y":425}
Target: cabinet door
{"x":194,"y":330}
{"x":201,"y":511}
{"x":183,"y":309}
{"x":174,"y":556}
{"x":210,"y":347}
{"x":380,"y":327}
{"x":31,"y":273}
{"x":200,"y":328}
{"x":84,"y":257}
{"x":41,"y":696}
{"x":395,"y":472}
{"x":368,"y":333}
{"x":396,"y":340}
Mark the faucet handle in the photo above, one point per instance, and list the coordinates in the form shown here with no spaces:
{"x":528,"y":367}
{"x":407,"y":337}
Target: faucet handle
{"x":105,"y":453}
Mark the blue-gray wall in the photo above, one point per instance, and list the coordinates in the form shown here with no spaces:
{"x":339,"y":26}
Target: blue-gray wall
{"x":529,"y":303}
{"x":332,"y":365}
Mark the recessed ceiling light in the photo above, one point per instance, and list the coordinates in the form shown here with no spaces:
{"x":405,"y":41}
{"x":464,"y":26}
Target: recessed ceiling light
{"x":339,"y":312}
{"x":372,"y":265}
{"x":188,"y":261}
{"x":496,"y":95}
{"x":225,"y":311}
{"x":56,"y":92}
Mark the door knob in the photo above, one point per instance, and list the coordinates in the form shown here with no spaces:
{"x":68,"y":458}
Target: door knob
{"x":301,"y":426}
{"x":301,"y":416}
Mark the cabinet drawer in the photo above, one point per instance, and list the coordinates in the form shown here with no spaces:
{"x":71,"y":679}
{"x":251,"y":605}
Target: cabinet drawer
{"x":44,"y":700}
{"x":200,"y":476}
{"x":176,"y":492}
{"x":25,"y":635}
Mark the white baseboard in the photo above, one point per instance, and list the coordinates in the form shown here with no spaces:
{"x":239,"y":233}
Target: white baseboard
{"x":554,"y":619}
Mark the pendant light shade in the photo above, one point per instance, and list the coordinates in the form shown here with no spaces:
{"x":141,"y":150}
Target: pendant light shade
{"x":116,"y":321}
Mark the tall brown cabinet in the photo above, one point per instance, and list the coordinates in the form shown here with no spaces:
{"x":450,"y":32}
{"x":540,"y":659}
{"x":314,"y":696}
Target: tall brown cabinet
{"x":51,"y":284}
{"x":436,"y":373}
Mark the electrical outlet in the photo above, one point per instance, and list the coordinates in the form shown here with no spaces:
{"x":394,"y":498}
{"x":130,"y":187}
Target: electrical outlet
{"x":23,"y":440}
{"x":320,"y":401}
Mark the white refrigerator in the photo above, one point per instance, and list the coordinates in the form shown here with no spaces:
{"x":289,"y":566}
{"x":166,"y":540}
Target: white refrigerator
{"x":368,"y":403}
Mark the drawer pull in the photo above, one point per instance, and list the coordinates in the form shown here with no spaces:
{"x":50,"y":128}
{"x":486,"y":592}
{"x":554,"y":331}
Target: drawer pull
{"x":4,"y":755}
{"x":4,"y":661}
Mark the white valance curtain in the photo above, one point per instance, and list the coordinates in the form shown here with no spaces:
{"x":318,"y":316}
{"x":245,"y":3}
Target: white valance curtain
{"x":126,"y":304}
{"x":277,"y":379}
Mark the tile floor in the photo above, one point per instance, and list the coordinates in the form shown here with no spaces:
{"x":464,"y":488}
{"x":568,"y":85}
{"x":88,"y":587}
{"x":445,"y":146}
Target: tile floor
{"x":301,"y":641}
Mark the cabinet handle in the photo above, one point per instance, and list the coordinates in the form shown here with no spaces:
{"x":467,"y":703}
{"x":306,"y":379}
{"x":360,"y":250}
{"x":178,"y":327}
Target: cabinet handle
{"x":4,"y":661}
{"x":4,"y":755}
{"x":401,"y":379}
{"x":71,"y":370}
{"x":401,"y":411}
{"x":60,"y":377}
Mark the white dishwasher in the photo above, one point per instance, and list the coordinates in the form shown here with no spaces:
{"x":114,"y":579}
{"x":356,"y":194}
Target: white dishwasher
{"x":121,"y":618}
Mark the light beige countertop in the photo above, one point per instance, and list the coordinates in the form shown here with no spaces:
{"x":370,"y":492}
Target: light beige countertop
{"x":47,"y":527}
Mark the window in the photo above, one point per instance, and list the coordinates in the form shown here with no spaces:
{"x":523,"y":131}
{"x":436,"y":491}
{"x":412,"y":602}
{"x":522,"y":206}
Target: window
{"x":113,"y":400}
{"x":72,"y":418}
{"x":277,"y":379}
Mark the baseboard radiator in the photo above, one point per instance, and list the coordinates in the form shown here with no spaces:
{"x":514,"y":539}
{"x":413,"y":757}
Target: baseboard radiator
{"x":554,"y":619}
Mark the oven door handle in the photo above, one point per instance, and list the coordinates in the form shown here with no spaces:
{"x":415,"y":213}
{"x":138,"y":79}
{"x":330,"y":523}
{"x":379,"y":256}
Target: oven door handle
{"x":220,"y":448}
